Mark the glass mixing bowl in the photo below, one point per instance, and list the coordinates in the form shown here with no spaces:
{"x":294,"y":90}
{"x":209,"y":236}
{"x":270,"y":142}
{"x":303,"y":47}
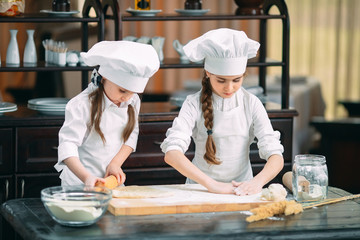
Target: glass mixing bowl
{"x":76,"y":205}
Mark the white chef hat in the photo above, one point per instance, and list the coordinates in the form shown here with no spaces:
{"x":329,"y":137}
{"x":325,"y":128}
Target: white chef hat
{"x":225,"y":51}
{"x":127,"y":64}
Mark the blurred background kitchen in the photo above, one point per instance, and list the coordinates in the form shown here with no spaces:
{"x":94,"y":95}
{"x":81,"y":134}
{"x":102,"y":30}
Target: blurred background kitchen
{"x":324,"y":44}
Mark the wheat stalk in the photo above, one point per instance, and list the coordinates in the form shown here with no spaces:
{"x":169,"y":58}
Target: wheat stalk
{"x":329,"y":201}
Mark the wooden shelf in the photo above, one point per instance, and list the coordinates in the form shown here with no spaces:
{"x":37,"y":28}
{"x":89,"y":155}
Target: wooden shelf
{"x":206,"y":17}
{"x":45,"y":18}
{"x":42,"y":66}
{"x":176,"y":63}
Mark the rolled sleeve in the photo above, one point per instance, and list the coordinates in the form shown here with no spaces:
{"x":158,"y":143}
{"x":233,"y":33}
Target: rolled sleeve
{"x":178,"y":137}
{"x":268,"y":139}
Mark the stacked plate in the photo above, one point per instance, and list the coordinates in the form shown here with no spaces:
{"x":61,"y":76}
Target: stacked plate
{"x":192,"y":12}
{"x":7,"y":107}
{"x":48,"y":106}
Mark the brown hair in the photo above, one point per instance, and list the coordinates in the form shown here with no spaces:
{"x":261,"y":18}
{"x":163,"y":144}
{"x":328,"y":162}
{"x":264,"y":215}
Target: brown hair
{"x":207,"y":109}
{"x":96,"y":100}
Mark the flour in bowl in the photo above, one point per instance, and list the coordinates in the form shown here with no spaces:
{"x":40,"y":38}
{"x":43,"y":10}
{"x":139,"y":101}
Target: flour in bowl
{"x":74,"y":210}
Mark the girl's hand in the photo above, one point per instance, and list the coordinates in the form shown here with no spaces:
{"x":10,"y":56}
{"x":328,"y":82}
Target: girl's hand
{"x":222,"y":188}
{"x":247,"y":188}
{"x":117,"y":172}
{"x":91,"y":180}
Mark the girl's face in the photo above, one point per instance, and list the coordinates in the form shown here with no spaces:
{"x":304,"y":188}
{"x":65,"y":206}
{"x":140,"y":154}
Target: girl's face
{"x":225,"y":86}
{"x":115,"y":93}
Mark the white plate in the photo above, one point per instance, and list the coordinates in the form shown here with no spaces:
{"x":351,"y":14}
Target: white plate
{"x":42,"y":108}
{"x":143,"y":13}
{"x":48,"y":111}
{"x":60,"y":13}
{"x":7,"y":110}
{"x":5,"y":106}
{"x":192,"y":12}
{"x":48,"y":102}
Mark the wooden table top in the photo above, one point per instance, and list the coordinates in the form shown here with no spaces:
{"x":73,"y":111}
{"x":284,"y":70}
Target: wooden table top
{"x":335,"y":221}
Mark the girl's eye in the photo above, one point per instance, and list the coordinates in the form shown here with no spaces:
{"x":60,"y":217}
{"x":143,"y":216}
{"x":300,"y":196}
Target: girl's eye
{"x":237,"y":79}
{"x":122,"y":91}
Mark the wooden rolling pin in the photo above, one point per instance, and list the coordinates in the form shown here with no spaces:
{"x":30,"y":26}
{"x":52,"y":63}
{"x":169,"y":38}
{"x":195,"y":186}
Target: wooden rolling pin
{"x":110,"y":182}
{"x":303,"y":182}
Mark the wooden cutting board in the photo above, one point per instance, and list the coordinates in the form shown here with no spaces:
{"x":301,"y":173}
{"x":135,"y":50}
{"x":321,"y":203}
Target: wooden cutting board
{"x":184,"y":198}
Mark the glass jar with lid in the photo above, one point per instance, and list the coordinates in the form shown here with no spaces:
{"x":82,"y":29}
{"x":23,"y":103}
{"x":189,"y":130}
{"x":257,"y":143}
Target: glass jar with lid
{"x":310,"y":178}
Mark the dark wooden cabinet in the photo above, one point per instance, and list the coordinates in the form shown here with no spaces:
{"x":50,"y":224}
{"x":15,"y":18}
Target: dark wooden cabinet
{"x":285,"y":127}
{"x":146,"y":166}
{"x":6,"y":151}
{"x":340,"y":144}
{"x":6,"y":193}
{"x":148,"y":153}
{"x":28,"y":155}
{"x":6,"y":187}
{"x":30,"y":185}
{"x":29,"y":143}
{"x":36,"y":149}
{"x":30,"y":146}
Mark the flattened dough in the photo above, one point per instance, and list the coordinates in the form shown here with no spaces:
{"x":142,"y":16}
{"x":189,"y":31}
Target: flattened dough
{"x":140,"y":192}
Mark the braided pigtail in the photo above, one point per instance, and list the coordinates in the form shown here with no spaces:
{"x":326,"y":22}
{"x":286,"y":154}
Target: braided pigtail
{"x":130,"y":124}
{"x":207,"y":109}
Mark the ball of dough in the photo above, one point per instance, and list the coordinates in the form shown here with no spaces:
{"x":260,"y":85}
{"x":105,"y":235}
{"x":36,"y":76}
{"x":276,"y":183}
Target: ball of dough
{"x":275,"y":192}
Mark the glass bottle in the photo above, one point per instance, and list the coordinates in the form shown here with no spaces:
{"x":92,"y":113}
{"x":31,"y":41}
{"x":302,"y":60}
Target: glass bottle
{"x":310,"y":178}
{"x":30,"y":57}
{"x":12,"y":53}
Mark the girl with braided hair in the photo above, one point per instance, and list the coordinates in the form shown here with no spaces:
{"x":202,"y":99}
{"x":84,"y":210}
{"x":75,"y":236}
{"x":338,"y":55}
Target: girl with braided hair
{"x":101,"y":123}
{"x":223,"y":120}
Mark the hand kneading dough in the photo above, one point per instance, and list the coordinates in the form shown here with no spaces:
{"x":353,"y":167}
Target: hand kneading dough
{"x":140,"y":192}
{"x":275,"y":192}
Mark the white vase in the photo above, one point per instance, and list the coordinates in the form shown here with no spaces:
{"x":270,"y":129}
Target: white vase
{"x":30,"y":57}
{"x":12,"y":53}
{"x":158,"y":44}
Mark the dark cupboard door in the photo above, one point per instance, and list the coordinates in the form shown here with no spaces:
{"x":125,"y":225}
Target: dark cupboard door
{"x":6,"y":193}
{"x":36,"y":149}
{"x":284,"y":126}
{"x":6,"y":188}
{"x":6,"y":151}
{"x":30,"y":185}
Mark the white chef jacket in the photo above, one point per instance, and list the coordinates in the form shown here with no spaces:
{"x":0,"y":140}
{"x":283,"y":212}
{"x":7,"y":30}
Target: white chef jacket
{"x":75,"y":139}
{"x":237,"y":121}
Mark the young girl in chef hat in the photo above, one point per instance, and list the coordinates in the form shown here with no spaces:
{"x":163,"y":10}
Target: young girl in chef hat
{"x":223,"y":119}
{"x":101,"y":128}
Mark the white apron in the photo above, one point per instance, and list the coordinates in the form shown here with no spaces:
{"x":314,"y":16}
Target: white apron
{"x":232,"y":137}
{"x":97,"y":161}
